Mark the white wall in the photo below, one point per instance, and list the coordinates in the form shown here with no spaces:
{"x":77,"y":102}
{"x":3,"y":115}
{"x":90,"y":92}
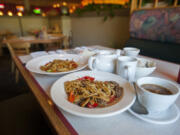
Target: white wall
{"x":54,"y":20}
{"x":28,"y":23}
{"x":94,"y":31}
{"x":31,"y":23}
{"x":9,"y":23}
{"x":66,"y":25}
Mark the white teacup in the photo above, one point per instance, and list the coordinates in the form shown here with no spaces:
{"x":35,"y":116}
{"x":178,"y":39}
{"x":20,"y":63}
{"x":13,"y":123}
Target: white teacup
{"x":131,"y":51}
{"x":156,"y":103}
{"x":126,"y":67}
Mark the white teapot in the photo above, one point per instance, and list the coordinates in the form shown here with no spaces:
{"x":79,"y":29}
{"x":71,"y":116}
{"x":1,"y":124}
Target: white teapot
{"x":104,"y":61}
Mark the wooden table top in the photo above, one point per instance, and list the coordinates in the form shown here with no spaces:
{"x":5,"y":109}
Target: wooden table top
{"x":34,"y":40}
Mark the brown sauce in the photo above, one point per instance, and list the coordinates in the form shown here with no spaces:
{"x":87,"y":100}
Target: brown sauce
{"x":156,"y":89}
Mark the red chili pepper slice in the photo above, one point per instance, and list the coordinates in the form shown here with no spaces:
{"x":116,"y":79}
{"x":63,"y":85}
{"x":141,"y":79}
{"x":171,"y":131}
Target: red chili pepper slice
{"x":87,"y":78}
{"x":112,"y":99}
{"x":92,"y":106}
{"x":74,"y":65}
{"x":71,"y":97}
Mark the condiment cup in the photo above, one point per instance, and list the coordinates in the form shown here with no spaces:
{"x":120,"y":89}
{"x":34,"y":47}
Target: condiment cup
{"x":153,"y":102}
{"x":144,"y":67}
{"x":131,"y":51}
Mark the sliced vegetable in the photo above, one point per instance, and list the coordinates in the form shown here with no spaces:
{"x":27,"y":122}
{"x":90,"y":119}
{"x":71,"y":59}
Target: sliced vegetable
{"x":87,"y":78}
{"x":111,"y":99}
{"x":71,"y":97}
{"x":92,"y":105}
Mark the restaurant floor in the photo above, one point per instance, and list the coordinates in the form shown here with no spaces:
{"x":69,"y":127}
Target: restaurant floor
{"x":20,"y":113}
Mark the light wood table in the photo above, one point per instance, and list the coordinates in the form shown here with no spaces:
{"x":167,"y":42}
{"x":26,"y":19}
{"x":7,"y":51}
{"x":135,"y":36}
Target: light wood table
{"x":65,"y":123}
{"x":33,"y":40}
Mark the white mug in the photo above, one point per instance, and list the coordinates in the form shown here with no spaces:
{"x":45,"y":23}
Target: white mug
{"x":153,"y":102}
{"x":131,"y":51}
{"x":126,"y":67}
{"x":103,"y":62}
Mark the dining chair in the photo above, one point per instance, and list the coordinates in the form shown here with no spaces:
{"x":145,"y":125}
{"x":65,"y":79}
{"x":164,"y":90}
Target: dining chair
{"x":21,"y":48}
{"x":17,"y":49}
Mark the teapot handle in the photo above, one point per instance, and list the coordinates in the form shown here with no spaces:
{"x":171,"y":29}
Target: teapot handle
{"x":91,"y":62}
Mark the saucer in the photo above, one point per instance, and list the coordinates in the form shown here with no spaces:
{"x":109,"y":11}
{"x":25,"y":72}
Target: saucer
{"x":166,"y":117}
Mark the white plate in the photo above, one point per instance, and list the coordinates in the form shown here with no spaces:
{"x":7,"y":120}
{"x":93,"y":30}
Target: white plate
{"x":166,"y":117}
{"x":59,"y":95}
{"x":34,"y":64}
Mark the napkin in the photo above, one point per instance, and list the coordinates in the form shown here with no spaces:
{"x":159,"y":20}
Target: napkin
{"x":60,"y":51}
{"x":87,"y":53}
{"x":24,"y":59}
{"x":37,"y":54}
{"x":51,"y":52}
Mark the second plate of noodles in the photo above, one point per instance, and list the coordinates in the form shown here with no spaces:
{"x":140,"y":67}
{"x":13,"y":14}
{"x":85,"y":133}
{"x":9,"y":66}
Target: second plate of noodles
{"x":93,"y":94}
{"x":57,"y":64}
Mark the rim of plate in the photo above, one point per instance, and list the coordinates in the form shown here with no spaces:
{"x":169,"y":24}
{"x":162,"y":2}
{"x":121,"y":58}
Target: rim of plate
{"x":36,"y":67}
{"x":59,"y":95}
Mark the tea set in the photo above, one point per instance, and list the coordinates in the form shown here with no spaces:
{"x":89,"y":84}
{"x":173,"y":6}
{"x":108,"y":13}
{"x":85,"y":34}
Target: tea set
{"x":150,"y":107}
{"x":120,"y":62}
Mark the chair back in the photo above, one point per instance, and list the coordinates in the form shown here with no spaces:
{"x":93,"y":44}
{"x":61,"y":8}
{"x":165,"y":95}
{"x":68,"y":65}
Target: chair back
{"x":20,"y":48}
{"x":11,"y":51}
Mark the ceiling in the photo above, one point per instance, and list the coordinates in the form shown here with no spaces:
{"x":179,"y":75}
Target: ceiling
{"x":40,"y":2}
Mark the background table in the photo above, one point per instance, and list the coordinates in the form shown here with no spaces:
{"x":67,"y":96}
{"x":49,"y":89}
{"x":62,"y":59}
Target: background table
{"x":33,"y":40}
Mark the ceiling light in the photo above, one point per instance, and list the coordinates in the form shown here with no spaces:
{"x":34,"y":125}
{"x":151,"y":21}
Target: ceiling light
{"x":54,"y":6}
{"x":71,"y":11}
{"x":10,"y":13}
{"x":19,"y":14}
{"x":64,"y":4}
{"x":73,"y":7}
{"x":57,"y":5}
{"x":44,"y":14}
{"x":1,"y":13}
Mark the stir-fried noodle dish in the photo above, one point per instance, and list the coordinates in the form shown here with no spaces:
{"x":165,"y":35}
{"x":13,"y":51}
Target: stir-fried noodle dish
{"x":59,"y":66}
{"x":87,"y":92}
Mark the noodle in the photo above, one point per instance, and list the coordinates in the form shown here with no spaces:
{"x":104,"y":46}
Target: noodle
{"x":59,"y":66}
{"x":86,"y":92}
